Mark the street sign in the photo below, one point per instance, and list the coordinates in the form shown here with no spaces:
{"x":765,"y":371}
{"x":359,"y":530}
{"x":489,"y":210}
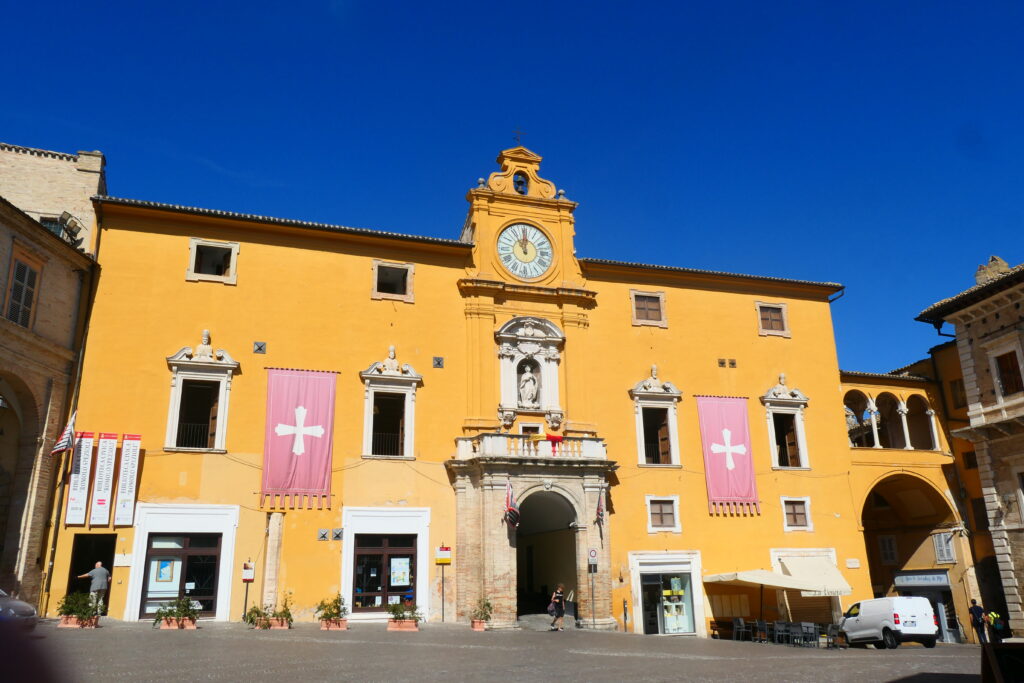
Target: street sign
{"x":443,"y":555}
{"x":248,"y":572}
{"x":592,"y":556}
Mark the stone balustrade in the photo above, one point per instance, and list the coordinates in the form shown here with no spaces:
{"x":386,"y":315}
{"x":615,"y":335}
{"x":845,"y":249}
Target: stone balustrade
{"x":523,"y":446}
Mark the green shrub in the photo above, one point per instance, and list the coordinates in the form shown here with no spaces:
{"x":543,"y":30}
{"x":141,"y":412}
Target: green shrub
{"x":332,"y":609}
{"x":400,"y":612}
{"x":80,"y":605}
{"x":483,"y":610}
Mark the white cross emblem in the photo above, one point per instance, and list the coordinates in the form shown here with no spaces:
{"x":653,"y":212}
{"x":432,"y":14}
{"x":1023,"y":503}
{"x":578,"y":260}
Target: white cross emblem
{"x":299,"y":430}
{"x":728,"y":449}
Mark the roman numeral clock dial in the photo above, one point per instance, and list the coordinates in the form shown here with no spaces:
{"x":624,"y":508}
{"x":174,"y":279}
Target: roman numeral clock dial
{"x":525,"y":251}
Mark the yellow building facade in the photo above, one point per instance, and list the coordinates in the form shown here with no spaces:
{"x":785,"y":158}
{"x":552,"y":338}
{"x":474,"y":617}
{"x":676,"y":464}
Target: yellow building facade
{"x":465,"y":370}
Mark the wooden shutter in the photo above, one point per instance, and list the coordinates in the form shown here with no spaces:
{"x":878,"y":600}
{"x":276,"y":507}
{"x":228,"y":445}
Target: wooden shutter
{"x":664,"y":442}
{"x":792,"y":448}
{"x":211,"y":437}
{"x":817,"y":609}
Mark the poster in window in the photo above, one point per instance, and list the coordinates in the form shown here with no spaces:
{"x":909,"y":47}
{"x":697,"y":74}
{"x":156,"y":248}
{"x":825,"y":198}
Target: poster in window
{"x":400,"y":571}
{"x":165,"y":570}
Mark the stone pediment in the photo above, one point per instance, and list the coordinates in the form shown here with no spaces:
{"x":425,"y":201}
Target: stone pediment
{"x":780,"y":394}
{"x":652,"y":387}
{"x":203,"y":356}
{"x":390,"y":369}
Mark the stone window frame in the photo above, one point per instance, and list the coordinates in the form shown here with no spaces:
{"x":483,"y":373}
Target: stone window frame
{"x":410,"y":269}
{"x":406,"y":382}
{"x":941,"y":558}
{"x":660,"y":295}
{"x":192,"y":276}
{"x":785,"y":331}
{"x":677,"y":528}
{"x":32,"y":259}
{"x":221,"y":370}
{"x":806,"y":500}
{"x":783,"y":400}
{"x":887,"y":559}
{"x":538,"y":425}
{"x":994,"y":348}
{"x":662,"y":395}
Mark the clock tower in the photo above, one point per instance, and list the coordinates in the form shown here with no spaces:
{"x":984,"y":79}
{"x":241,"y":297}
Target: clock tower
{"x":521,"y":227}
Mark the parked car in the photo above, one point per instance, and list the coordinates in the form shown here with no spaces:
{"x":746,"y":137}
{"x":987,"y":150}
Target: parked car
{"x":887,"y":622}
{"x":17,"y":612}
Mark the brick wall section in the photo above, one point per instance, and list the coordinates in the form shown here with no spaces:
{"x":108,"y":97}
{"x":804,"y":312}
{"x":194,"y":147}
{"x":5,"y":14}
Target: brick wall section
{"x":37,"y":367}
{"x":44,"y":183}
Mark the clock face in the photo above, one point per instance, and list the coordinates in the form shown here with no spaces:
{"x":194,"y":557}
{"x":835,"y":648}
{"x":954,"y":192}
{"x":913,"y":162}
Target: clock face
{"x":525,"y":251}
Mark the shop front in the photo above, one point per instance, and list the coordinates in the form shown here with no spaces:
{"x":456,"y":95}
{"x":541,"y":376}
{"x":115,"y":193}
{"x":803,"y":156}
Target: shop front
{"x":934,"y":585}
{"x":663,"y":596}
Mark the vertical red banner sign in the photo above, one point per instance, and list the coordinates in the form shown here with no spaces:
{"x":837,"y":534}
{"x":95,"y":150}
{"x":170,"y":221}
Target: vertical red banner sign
{"x":78,"y":486}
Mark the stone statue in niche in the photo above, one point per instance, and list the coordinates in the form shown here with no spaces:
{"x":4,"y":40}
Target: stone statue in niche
{"x":389,"y":366}
{"x":203,"y":350}
{"x":528,"y":387}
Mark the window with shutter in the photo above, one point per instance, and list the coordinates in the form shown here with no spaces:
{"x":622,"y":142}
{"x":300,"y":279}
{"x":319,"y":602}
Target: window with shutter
{"x":772,"y":319}
{"x":944,"y":552}
{"x":663,"y":514}
{"x":22,"y":293}
{"x":648,"y":308}
{"x":888,"y":550}
{"x":796,"y":514}
{"x":1008,"y":367}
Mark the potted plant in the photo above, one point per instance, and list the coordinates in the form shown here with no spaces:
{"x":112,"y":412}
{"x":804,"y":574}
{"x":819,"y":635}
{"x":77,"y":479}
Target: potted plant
{"x":180,"y":613}
{"x":78,"y":610}
{"x":258,"y":617}
{"x":404,"y":617}
{"x":281,"y":617}
{"x":332,"y":614}
{"x":481,"y":614}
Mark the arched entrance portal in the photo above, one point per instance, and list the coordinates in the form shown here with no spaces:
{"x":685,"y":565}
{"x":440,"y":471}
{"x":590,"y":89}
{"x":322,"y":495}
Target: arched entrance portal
{"x":545,"y":550}
{"x":914,"y":549}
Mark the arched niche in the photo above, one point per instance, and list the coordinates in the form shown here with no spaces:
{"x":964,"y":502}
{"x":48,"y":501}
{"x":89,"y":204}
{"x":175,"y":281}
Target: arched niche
{"x":529,"y":351}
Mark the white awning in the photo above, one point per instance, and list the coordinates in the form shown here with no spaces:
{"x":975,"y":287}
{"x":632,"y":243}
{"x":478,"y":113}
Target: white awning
{"x":819,"y":572}
{"x":761,"y":577}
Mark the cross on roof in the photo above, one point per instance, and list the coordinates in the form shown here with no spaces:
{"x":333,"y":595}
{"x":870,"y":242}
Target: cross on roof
{"x":516,"y":135}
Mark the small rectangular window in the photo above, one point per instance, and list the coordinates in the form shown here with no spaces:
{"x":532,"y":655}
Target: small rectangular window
{"x":1009,"y":374}
{"x":388,"y":424}
{"x":888,"y":550}
{"x":970,"y":460}
{"x":657,"y":444}
{"x":648,"y":308}
{"x":980,"y":514}
{"x":944,"y":552}
{"x":197,"y":418}
{"x":392,"y":281}
{"x":796,"y":514}
{"x":663,"y":514}
{"x":21,"y":294}
{"x":212,"y":261}
{"x":529,"y":429}
{"x":786,"y":444}
{"x":957,"y":393}
{"x":772,"y":319}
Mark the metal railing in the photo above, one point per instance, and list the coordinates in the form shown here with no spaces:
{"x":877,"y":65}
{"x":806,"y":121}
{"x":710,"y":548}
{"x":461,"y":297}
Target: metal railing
{"x":193,"y":435}
{"x":387,"y":443}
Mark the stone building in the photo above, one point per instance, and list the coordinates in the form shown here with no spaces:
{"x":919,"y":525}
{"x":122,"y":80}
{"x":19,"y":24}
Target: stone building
{"x":989,"y":326}
{"x":676,"y":440}
{"x":55,"y":188}
{"x":46,"y":288}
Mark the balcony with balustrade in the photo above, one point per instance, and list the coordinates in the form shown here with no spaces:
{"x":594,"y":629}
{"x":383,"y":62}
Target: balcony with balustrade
{"x":527,"y":447}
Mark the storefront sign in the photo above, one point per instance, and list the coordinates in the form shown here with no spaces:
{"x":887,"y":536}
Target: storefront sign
{"x":444,"y":555}
{"x":78,"y":487}
{"x":124,"y":513}
{"x":922,"y":579}
{"x":99,"y":514}
{"x":399,"y":571}
{"x":248,"y":572}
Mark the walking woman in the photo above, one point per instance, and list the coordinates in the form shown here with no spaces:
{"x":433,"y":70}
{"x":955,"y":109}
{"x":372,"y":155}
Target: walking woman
{"x":558,"y":600}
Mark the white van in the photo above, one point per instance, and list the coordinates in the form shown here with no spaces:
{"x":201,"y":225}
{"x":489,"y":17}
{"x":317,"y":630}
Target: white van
{"x":887,"y":622}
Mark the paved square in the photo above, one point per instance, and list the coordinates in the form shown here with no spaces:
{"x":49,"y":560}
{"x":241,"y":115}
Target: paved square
{"x":232,"y":652}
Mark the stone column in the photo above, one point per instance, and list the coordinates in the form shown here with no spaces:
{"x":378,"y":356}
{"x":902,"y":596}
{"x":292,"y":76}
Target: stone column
{"x":499,"y":565}
{"x":902,"y":410}
{"x":596,"y":610}
{"x":275,"y":531}
{"x":873,"y":411}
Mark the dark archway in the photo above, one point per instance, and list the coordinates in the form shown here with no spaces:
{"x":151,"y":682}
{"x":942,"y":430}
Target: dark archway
{"x":911,"y":533}
{"x":545,"y":549}
{"x":18,"y":444}
{"x":890,"y":423}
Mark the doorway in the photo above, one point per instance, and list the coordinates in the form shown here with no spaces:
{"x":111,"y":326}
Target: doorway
{"x":385,"y":571}
{"x":86,"y":551}
{"x":181,"y":565}
{"x":666,"y":603}
{"x":545,"y":551}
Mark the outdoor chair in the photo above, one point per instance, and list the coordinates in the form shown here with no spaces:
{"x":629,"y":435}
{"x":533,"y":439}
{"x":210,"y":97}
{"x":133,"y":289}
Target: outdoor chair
{"x":739,"y":628}
{"x":720,"y":629}
{"x":760,"y":634}
{"x":810,"y":634}
{"x":796,"y":634}
{"x":834,"y":637}
{"x":780,"y":632}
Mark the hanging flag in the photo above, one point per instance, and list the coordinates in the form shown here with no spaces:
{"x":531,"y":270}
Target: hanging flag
{"x":600,"y":507}
{"x":66,"y":442}
{"x":511,"y":507}
{"x":728,"y":460}
{"x":298,"y":438}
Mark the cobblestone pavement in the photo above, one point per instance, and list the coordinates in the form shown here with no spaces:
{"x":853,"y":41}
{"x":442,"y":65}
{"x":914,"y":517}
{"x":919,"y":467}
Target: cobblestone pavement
{"x":231,"y":652}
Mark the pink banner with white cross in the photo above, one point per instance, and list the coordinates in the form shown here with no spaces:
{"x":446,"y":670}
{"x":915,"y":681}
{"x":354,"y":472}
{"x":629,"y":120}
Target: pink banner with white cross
{"x":298,"y":440}
{"x":728,"y":457}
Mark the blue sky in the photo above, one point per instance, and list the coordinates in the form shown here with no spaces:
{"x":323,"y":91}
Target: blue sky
{"x":876,"y":144}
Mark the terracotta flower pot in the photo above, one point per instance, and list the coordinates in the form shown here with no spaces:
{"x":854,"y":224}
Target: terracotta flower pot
{"x":75,"y":622}
{"x":479,"y":624}
{"x":279,"y":623}
{"x":334,"y":624}
{"x":403,"y":625}
{"x":169,"y":623}
{"x":187,"y":623}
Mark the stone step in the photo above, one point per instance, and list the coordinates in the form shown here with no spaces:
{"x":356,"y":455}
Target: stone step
{"x":542,"y":622}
